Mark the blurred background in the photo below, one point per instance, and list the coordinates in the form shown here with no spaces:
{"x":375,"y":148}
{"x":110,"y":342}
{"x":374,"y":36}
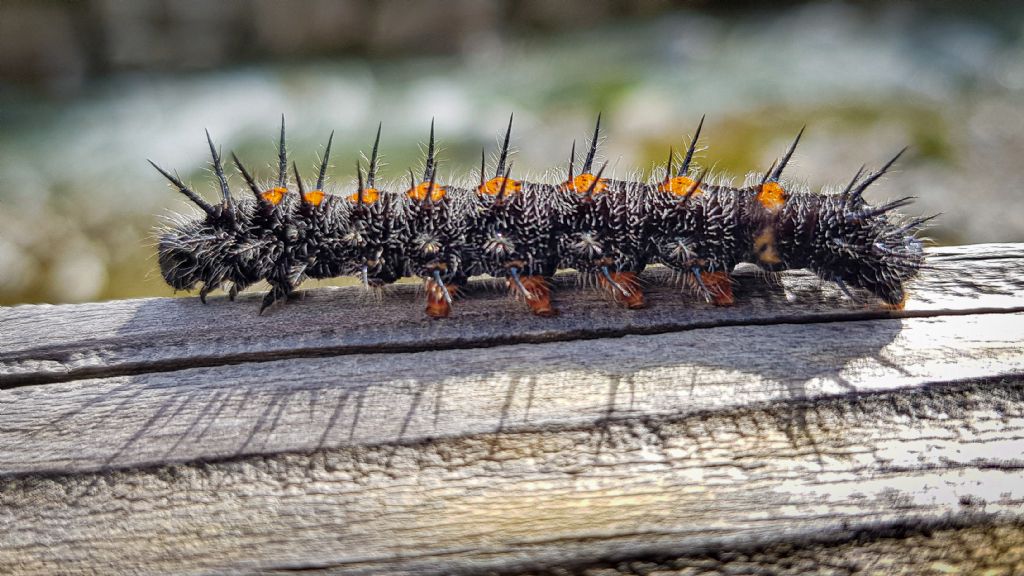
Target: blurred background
{"x":90,"y":89}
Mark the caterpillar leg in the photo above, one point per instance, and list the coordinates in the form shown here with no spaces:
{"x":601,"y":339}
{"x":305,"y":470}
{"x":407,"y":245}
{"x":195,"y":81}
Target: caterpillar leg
{"x":233,"y":290}
{"x":624,"y":287}
{"x":206,"y":289}
{"x":535,"y":290}
{"x":895,"y":299}
{"x":279,"y":290}
{"x":440,"y":295}
{"x":715,"y":286}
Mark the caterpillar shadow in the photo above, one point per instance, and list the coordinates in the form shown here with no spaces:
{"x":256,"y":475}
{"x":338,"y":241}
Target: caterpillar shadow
{"x":594,"y":364}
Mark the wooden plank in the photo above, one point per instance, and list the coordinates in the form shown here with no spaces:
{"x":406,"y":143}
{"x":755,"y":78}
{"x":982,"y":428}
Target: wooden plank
{"x":637,"y":487}
{"x":40,"y":344}
{"x":305,"y":404}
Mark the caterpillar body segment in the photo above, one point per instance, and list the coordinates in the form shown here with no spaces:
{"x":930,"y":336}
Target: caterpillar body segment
{"x":514,"y":236}
{"x":605,"y":232}
{"x":703,"y":236}
{"x":607,"y":229}
{"x":438,"y":251}
{"x":605,"y":236}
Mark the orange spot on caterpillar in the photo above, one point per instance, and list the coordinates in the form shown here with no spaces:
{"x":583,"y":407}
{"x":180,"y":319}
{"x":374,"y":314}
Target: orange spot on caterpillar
{"x":581,"y":184}
{"x":772,"y":196}
{"x":493,"y":186}
{"x":314,"y":197}
{"x":275,"y":195}
{"x":370,"y":195}
{"x":679,"y":185}
{"x":720,"y":286}
{"x":764,"y":246}
{"x":634,"y":300}
{"x":421,"y":190}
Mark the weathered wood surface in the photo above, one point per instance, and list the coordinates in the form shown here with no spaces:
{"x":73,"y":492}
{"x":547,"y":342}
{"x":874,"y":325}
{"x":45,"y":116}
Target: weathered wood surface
{"x":785,"y":434}
{"x":309,"y":404}
{"x":632,"y":488}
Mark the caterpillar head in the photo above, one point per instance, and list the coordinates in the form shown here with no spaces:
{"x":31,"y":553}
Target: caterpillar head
{"x":196,"y":253}
{"x":179,"y":265}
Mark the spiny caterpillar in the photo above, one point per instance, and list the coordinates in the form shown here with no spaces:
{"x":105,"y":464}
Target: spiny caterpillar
{"x":523,"y":232}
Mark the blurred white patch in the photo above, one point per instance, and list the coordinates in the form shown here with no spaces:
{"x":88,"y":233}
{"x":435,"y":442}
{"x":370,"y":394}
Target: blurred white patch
{"x":17,"y":269}
{"x":77,"y":276}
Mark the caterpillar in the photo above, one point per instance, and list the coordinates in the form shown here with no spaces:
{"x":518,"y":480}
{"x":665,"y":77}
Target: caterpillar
{"x":522,"y":232}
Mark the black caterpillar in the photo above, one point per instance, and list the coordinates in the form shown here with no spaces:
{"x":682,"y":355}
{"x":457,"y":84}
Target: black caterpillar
{"x":609,"y":230}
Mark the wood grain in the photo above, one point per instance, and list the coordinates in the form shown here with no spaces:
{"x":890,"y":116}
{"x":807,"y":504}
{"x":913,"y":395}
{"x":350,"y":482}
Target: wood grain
{"x":304,"y":404}
{"x":635,"y":487}
{"x":40,"y":344}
